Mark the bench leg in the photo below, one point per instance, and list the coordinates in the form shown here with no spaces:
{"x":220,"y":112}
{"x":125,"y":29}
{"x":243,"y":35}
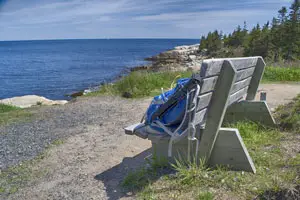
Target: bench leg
{"x":256,"y":111}
{"x":179,"y":149}
{"x":229,"y":150}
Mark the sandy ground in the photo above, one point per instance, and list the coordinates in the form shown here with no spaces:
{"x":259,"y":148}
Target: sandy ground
{"x":93,"y":163}
{"x":279,"y":93}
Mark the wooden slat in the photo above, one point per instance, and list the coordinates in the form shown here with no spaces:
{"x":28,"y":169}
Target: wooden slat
{"x":130,"y":129}
{"x":208,"y":84}
{"x":242,"y":63}
{"x":257,"y":75}
{"x":237,"y":96}
{"x":142,"y":131}
{"x":199,"y":117}
{"x":241,"y":84}
{"x":242,"y":74}
{"x":213,"y":67}
{"x":203,"y":101}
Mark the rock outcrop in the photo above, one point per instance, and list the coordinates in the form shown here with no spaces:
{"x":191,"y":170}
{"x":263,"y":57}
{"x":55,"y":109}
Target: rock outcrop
{"x":180,"y":58}
{"x":31,"y":100}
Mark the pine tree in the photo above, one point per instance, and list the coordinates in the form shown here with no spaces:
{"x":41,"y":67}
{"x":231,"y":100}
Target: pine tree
{"x":293,"y":32}
{"x":282,"y":14}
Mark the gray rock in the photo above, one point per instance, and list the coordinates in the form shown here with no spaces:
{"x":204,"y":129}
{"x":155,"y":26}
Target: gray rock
{"x":31,"y":100}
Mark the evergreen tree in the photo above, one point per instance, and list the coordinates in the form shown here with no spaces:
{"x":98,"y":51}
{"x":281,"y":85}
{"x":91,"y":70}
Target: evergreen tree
{"x":274,"y":41}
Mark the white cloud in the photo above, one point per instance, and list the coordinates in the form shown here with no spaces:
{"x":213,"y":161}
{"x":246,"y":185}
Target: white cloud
{"x":129,"y":18}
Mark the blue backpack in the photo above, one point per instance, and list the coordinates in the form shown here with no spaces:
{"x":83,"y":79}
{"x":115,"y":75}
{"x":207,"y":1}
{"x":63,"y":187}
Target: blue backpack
{"x":174,"y":115}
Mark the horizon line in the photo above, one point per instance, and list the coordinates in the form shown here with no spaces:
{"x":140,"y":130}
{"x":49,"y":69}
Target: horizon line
{"x":138,"y":38}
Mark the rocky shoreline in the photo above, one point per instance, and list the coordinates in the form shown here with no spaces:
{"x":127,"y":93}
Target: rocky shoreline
{"x":181,"y":58}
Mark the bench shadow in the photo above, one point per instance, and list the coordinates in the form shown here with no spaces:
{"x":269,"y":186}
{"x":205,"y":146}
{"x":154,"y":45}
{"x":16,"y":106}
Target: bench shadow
{"x":113,"y":177}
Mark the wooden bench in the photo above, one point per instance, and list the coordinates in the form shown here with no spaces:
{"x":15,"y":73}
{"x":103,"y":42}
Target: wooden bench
{"x":227,"y":90}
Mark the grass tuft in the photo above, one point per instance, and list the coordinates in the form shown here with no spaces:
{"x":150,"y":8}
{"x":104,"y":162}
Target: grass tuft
{"x":205,"y":196}
{"x":6,"y":108}
{"x":141,"y":84}
{"x":281,"y":74}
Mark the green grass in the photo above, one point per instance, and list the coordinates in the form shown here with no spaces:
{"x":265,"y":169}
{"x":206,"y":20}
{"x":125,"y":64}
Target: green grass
{"x":276,"y":172}
{"x":15,"y":177}
{"x":281,"y":74}
{"x":10,"y":114}
{"x":288,"y":115}
{"x":144,"y":84}
{"x":6,"y":108}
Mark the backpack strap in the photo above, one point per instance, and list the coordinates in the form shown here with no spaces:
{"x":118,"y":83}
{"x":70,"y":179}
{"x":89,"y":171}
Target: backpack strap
{"x":177,"y":96}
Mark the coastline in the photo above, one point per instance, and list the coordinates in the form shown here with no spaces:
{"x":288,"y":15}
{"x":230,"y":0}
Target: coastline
{"x":180,"y":58}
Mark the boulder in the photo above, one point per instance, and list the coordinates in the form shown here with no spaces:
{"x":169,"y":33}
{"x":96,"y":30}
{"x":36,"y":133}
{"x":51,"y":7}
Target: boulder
{"x":31,"y":100}
{"x":192,"y":57}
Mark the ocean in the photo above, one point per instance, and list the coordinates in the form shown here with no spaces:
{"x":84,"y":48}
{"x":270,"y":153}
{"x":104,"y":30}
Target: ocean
{"x":54,"y":68}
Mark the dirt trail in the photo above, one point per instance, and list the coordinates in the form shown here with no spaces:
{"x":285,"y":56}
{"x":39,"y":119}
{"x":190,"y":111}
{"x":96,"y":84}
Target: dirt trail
{"x":279,"y":93}
{"x":92,"y":164}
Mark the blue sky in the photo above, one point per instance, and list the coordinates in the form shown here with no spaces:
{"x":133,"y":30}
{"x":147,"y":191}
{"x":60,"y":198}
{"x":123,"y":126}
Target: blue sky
{"x":59,"y":19}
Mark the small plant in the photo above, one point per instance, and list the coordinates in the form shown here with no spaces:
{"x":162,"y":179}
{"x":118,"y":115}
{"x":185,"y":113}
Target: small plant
{"x":205,"y":196}
{"x":135,"y":180}
{"x":39,"y":103}
{"x":157,"y":162}
{"x":57,"y":142}
{"x":189,"y":172}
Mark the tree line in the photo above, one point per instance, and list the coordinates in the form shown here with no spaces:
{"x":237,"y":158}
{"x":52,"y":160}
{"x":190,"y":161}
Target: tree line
{"x":275,"y":41}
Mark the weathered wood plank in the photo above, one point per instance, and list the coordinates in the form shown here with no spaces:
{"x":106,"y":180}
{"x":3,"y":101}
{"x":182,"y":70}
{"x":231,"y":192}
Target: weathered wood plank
{"x":217,"y":109}
{"x":237,"y":96}
{"x":211,"y":67}
{"x":229,"y":150}
{"x":257,"y":76}
{"x":240,"y":84}
{"x":208,"y":84}
{"x":130,"y":129}
{"x":256,"y":111}
{"x":199,"y":116}
{"x":203,"y":101}
{"x":142,"y":131}
{"x":242,"y":74}
{"x":242,"y":63}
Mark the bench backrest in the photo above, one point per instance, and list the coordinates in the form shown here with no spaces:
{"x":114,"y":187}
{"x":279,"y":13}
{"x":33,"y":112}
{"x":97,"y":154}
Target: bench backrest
{"x":225,"y":81}
{"x":249,"y":71}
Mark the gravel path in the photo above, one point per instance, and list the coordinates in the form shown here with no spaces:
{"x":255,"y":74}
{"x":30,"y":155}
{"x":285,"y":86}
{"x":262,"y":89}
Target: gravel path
{"x":96,"y":154}
{"x":24,"y":141}
{"x":82,"y":166}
